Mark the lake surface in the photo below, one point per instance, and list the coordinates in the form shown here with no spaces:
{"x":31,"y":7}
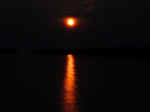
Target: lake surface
{"x":62,"y":83}
{"x":67,"y":83}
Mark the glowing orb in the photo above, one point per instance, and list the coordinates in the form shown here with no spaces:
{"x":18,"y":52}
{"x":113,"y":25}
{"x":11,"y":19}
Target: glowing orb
{"x":70,"y":22}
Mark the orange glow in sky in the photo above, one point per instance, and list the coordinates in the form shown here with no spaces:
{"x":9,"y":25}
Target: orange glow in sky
{"x":70,"y":22}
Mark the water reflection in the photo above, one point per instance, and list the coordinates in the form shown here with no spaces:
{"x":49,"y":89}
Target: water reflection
{"x":70,"y":87}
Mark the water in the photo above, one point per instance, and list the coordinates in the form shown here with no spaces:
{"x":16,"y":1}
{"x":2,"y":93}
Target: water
{"x":70,"y":87}
{"x":62,"y":83}
{"x":68,"y":83}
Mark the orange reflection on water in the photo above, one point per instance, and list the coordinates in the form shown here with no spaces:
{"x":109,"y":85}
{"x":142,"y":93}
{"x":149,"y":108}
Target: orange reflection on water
{"x":69,"y":89}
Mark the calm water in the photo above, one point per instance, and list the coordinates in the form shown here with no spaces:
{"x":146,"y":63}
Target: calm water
{"x":64,"y":83}
{"x":70,"y":87}
{"x":69,"y":83}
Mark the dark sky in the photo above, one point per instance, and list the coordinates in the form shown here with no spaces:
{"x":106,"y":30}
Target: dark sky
{"x":104,"y":23}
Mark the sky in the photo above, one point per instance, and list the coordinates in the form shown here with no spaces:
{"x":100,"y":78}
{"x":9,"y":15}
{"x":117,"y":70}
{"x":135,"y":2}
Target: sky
{"x":103,"y":24}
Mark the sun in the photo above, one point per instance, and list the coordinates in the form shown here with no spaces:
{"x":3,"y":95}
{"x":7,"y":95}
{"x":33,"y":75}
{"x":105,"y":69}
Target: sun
{"x":70,"y":22}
